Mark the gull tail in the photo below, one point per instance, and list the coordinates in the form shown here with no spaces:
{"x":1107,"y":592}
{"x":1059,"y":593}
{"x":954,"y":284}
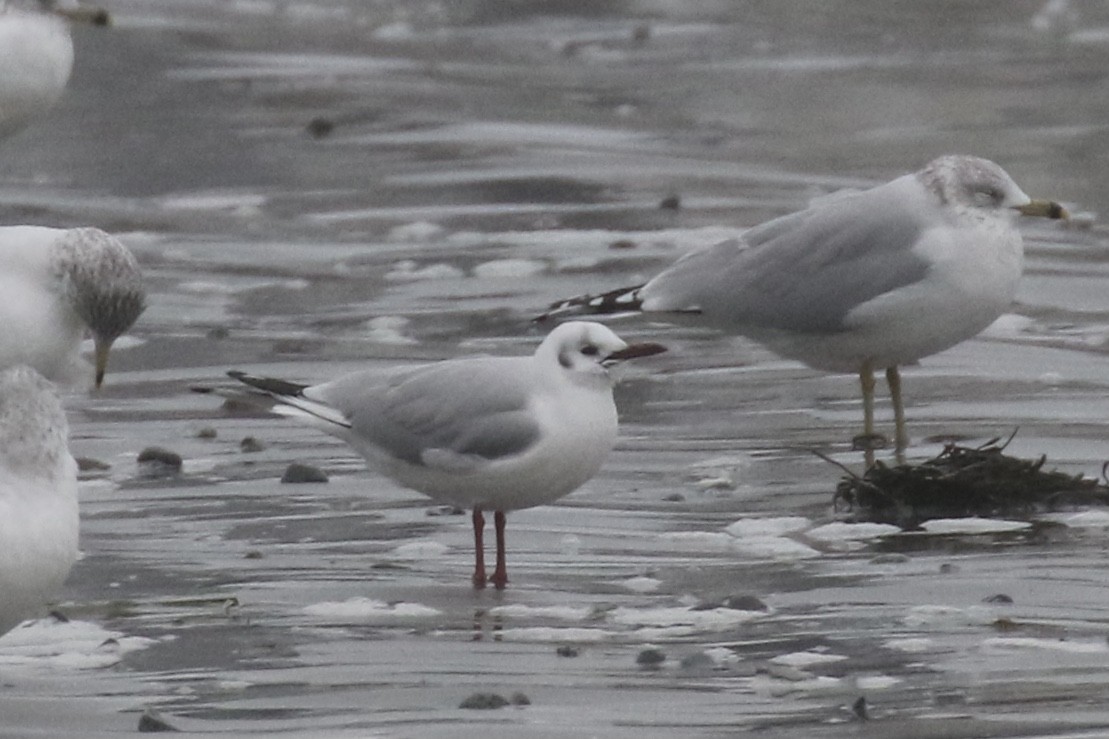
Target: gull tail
{"x":291,"y":400}
{"x":621,"y":300}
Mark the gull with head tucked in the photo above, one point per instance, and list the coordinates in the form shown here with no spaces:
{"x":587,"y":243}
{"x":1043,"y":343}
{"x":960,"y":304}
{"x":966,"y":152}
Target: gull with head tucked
{"x":57,"y":284}
{"x":38,"y":496}
{"x":485,"y":433}
{"x":857,"y":282}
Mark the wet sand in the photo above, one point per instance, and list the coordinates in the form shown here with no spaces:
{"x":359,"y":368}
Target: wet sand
{"x":483,"y":160}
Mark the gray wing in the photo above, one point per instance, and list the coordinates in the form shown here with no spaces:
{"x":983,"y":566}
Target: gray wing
{"x":804,"y":271}
{"x":468,"y":410}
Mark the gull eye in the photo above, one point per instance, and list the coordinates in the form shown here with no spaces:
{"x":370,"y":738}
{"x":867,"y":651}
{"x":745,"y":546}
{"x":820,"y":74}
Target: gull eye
{"x":988,"y":195}
{"x":589,"y":350}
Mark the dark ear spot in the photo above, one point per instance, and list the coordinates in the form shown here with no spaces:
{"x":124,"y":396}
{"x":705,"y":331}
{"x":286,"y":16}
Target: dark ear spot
{"x":564,"y":359}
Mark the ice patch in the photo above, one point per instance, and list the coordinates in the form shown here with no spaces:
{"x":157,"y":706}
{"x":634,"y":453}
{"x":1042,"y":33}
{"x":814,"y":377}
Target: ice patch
{"x":876,"y":682}
{"x":419,"y":231}
{"x":75,"y":645}
{"x":776,"y":526}
{"x":420,"y":550}
{"x":406,"y":270}
{"x":1008,"y":326}
{"x":698,"y":540}
{"x":807,"y":658}
{"x":564,"y":613}
{"x":773,"y":547}
{"x":501,"y":268}
{"x":389,"y":330}
{"x":714,"y":619}
{"x":642,"y":584}
{"x":912,"y":645}
{"x":552,"y":634}
{"x":842,"y":531}
{"x":972,"y":526}
{"x":368,"y":609}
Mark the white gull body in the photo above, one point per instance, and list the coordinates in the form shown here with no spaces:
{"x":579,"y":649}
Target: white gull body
{"x":38,"y":496}
{"x":486,"y":433}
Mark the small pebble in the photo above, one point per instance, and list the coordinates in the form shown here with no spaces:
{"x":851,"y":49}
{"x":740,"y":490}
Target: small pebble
{"x":88,"y":464}
{"x":519,"y":699}
{"x":249,"y":445}
{"x":860,"y":709}
{"x":1000,"y":598}
{"x":650,"y":657}
{"x":319,"y":127}
{"x":446,"y":510}
{"x":567,"y":651}
{"x":947,"y":568}
{"x":674,"y":498}
{"x":152,"y":721}
{"x":697,"y":662}
{"x":297,"y":473}
{"x":219,"y":332}
{"x":253,"y":554}
{"x":206,"y":433}
{"x":58,"y":617}
{"x":622,"y":244}
{"x":154,"y":461}
{"x":484,"y":701}
{"x":670,"y":202}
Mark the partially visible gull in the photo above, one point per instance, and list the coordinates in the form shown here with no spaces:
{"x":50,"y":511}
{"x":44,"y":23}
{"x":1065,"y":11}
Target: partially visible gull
{"x":38,"y":496}
{"x":56,"y":285}
{"x":36,"y":56}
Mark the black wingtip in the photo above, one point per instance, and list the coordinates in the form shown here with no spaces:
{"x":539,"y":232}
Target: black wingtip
{"x":267,"y":384}
{"x":621,"y":300}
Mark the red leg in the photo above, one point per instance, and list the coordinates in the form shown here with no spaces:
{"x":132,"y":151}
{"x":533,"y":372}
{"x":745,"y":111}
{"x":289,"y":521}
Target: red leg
{"x":479,"y":549}
{"x":500,"y":574}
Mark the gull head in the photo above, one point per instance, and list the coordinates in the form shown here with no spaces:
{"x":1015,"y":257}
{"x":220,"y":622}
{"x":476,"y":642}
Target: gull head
{"x":586,"y":350}
{"x":103,"y":284}
{"x":980,"y":186}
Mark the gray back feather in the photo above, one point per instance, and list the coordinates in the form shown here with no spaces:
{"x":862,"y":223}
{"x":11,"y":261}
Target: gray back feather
{"x":470,"y":406}
{"x":801,"y":272}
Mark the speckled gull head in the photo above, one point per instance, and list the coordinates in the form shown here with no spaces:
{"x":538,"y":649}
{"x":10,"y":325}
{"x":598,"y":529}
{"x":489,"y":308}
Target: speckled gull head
{"x":972,"y":184}
{"x":102,"y":282}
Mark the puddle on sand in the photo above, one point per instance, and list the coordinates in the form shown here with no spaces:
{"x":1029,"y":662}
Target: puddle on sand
{"x":474,"y":162}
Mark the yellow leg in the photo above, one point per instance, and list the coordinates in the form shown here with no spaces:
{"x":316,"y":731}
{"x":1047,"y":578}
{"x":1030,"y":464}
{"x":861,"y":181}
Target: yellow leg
{"x":901,"y":439}
{"x":866,"y":381}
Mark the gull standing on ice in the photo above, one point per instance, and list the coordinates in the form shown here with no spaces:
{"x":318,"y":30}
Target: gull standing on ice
{"x":38,"y":496}
{"x":857,"y":282}
{"x":56,"y":284}
{"x":487,"y":433}
{"x":36,"y":56}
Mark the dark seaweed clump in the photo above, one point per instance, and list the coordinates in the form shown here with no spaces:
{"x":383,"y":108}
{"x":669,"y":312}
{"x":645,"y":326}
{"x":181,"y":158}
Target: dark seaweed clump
{"x":964,"y":481}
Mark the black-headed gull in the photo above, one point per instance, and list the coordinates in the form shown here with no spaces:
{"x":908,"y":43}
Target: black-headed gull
{"x":485,"y":433}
